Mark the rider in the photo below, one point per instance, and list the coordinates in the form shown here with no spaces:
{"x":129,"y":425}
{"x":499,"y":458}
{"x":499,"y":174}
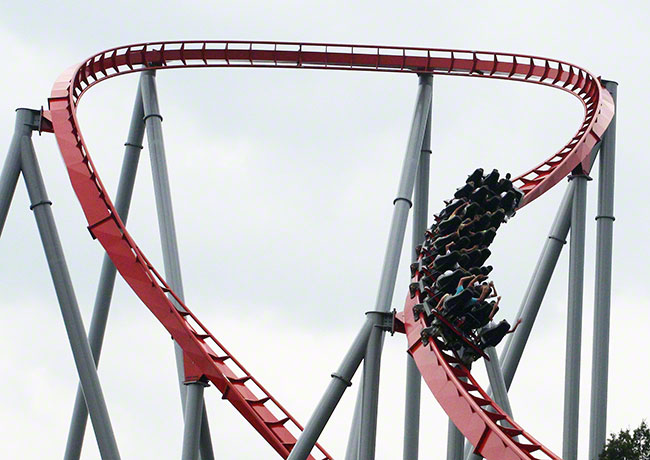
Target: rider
{"x":492,"y":334}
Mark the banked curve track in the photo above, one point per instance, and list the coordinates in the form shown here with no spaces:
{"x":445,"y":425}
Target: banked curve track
{"x":203,"y":352}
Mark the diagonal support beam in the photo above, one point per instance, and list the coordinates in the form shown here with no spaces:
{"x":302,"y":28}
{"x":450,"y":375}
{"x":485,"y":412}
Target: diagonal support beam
{"x":540,"y":279}
{"x":372,"y":360}
{"x":171,"y":259}
{"x":371,"y":327}
{"x":352,"y":449}
{"x":11,"y":167}
{"x":106,"y":284}
{"x":500,"y":394}
{"x":41,"y":205}
{"x":341,"y":380}
{"x":413,"y":377}
{"x":539,"y":283}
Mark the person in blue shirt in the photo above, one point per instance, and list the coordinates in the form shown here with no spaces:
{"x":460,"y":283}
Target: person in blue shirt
{"x":467,"y":295}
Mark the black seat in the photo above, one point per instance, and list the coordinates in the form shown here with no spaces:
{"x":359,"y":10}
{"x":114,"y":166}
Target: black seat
{"x":445,"y":262}
{"x":504,"y":184}
{"x":481,"y":270}
{"x":492,"y":179}
{"x":493,"y":336}
{"x":451,"y":207}
{"x":441,"y":242}
{"x":455,"y":304}
{"x":481,"y":313}
{"x":447,"y":282}
{"x":493,"y":203}
{"x":497,"y":218}
{"x":481,"y":257}
{"x":465,"y":191}
{"x":476,"y":177}
{"x":474,"y":258}
{"x":508,"y":202}
{"x":470,"y":322}
{"x":483,"y":238}
{"x":473,"y":209}
{"x":483,"y":223}
{"x":448,"y":226}
{"x":480,"y":195}
{"x":475,"y":239}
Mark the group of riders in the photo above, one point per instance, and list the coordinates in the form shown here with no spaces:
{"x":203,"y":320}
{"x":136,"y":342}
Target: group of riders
{"x":450,"y":276}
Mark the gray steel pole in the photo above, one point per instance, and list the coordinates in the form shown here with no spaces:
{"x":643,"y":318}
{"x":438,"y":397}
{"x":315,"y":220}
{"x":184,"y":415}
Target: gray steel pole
{"x":535,"y":291}
{"x":82,"y":354}
{"x":341,"y":380}
{"x":539,"y":281}
{"x":106,"y":284}
{"x":574,"y":319}
{"x":193,"y":410}
{"x":500,"y":394}
{"x":536,"y":271}
{"x":497,"y":382}
{"x":524,"y":299}
{"x":602,"y":301}
{"x":455,"y":442}
{"x":372,"y":360}
{"x":11,"y":167}
{"x":352,"y":450}
{"x":171,"y":259}
{"x":539,"y":284}
{"x":413,"y":377}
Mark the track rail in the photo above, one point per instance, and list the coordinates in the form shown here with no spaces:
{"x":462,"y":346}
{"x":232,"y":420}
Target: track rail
{"x":471,"y":409}
{"x":265,"y":413}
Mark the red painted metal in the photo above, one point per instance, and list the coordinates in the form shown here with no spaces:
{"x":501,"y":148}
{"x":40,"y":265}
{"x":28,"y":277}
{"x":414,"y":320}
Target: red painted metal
{"x":198,"y":344}
{"x":467,"y":404}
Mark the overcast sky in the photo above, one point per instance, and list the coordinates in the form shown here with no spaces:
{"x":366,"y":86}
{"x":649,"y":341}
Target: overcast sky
{"x":283,"y":184}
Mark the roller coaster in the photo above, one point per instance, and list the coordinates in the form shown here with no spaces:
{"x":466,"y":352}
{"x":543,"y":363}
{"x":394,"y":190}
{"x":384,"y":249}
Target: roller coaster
{"x":481,"y":423}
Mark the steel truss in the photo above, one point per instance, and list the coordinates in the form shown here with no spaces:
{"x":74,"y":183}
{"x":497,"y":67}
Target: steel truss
{"x":201,"y":359}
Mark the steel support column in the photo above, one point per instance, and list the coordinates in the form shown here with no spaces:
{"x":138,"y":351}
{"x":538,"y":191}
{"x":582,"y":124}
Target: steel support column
{"x":372,"y":360}
{"x":192,"y":429}
{"x":455,"y":442}
{"x":500,"y":394}
{"x":352,"y":449}
{"x":81,"y":352}
{"x":602,"y":300}
{"x":574,"y":319}
{"x":540,"y":279}
{"x":413,"y":377}
{"x":171,"y":259}
{"x":520,"y":312}
{"x":497,"y":382}
{"x":539,"y":284}
{"x":106,"y":284}
{"x":11,"y":167}
{"x":341,"y":380}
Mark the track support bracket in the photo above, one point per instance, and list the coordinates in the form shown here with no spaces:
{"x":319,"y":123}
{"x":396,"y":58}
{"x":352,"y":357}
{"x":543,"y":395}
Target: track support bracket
{"x":388,"y":321}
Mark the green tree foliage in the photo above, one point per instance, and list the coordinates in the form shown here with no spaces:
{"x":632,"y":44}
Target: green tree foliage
{"x":628,"y":446}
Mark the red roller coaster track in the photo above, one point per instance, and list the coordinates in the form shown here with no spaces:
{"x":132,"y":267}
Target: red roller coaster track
{"x":265,"y":413}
